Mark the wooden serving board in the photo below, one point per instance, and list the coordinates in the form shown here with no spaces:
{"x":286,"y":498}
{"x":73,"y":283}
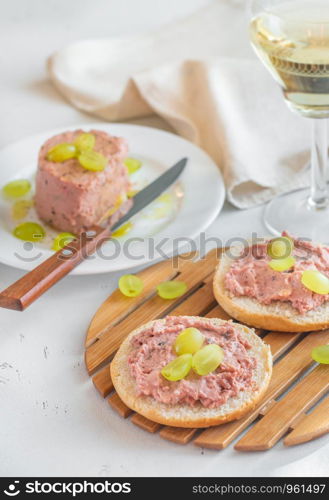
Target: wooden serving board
{"x":286,"y":411}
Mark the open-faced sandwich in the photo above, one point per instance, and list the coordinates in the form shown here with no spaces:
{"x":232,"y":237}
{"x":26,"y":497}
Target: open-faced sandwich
{"x":280,"y":284}
{"x":190,"y":371}
{"x":81,"y":177}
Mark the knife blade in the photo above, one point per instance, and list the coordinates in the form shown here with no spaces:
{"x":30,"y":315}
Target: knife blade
{"x":152,"y":191}
{"x":26,"y":290}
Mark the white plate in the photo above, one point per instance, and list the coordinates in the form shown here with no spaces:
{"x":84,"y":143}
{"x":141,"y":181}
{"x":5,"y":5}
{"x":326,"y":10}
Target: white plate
{"x":194,"y":203}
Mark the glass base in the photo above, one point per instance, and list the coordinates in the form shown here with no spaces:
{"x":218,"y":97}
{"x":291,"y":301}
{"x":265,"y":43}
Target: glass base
{"x":293,"y":213}
{"x":308,"y":111}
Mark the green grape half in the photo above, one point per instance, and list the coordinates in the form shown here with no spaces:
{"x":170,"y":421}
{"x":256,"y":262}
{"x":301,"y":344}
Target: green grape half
{"x":124,"y":229}
{"x":132,"y":193}
{"x":85,"y":142}
{"x":21,"y":208}
{"x":171,"y":289}
{"x":178,"y":368}
{"x":62,"y":152}
{"x":29,"y":231}
{"x":16,"y":189}
{"x":280,"y":248}
{"x":62,"y":240}
{"x":207,"y":359}
{"x":282,"y":264}
{"x":320,"y":354}
{"x":132,"y":165}
{"x":315,"y":281}
{"x":188,"y":341}
{"x":91,"y":160}
{"x":130,"y":285}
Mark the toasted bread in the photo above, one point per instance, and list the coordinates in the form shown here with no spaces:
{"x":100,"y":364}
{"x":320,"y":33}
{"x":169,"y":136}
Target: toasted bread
{"x":183,"y":415}
{"x":278,"y":316}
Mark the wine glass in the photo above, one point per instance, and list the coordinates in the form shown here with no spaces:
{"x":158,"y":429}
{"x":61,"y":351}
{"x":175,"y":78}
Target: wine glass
{"x":291,"y":37}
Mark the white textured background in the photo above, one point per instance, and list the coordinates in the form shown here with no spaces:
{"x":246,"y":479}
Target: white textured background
{"x":52,"y":421}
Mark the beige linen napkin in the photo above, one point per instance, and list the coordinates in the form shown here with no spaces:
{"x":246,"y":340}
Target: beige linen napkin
{"x":202,"y":77}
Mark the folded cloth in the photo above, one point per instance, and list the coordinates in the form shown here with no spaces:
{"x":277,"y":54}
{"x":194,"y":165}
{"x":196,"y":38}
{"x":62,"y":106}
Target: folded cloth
{"x":201,"y":76}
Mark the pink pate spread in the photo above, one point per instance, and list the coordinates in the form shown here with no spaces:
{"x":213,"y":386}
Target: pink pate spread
{"x":71,"y":198}
{"x":251,"y":276}
{"x":153,"y":349}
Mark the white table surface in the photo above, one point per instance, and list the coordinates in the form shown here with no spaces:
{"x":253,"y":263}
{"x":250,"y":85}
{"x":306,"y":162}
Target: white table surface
{"x":52,"y":421}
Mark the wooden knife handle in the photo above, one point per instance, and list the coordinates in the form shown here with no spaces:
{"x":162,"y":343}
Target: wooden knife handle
{"x":27,"y":289}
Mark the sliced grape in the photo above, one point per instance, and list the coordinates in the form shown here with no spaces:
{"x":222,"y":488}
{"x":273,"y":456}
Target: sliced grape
{"x":124,"y":229}
{"x":85,"y":142}
{"x":132,"y":165}
{"x":16,"y":189}
{"x":21,"y":208}
{"x":132,"y":193}
{"x":29,"y":231}
{"x":62,"y":240}
{"x":280,"y":248}
{"x":316,"y":282}
{"x":62,"y":152}
{"x":282,"y":264}
{"x":320,"y":354}
{"x":178,"y":368}
{"x":207,"y":359}
{"x":188,"y":341}
{"x":171,"y":289}
{"x":91,"y":160}
{"x":130,"y":285}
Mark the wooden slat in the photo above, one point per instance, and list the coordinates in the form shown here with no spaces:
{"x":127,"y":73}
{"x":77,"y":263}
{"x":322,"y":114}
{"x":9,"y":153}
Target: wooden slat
{"x":177,"y":435}
{"x":217,"y":312}
{"x":267,"y":432}
{"x":145,"y":423}
{"x":103,"y":349}
{"x":103,"y":381}
{"x":210,"y":278}
{"x":265,"y":409}
{"x":119,"y":406}
{"x":285,"y":372}
{"x":117,"y":306}
{"x":200,"y":301}
{"x":119,"y":315}
{"x":312,"y":426}
{"x":280,"y":345}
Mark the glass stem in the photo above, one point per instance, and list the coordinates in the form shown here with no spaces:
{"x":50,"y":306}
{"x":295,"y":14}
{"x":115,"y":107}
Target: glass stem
{"x":319,"y":160}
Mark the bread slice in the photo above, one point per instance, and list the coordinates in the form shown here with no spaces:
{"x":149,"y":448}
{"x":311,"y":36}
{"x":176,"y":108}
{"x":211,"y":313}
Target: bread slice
{"x":278,"y":316}
{"x":184,"y":415}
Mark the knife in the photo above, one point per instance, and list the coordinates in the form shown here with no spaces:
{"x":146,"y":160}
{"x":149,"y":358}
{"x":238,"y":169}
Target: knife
{"x":26,"y":290}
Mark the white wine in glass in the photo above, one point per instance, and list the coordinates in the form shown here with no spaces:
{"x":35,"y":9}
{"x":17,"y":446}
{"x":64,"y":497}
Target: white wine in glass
{"x":291,"y":37}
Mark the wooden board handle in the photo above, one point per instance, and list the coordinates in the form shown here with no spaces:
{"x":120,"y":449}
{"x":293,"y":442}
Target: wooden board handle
{"x":27,"y":289}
